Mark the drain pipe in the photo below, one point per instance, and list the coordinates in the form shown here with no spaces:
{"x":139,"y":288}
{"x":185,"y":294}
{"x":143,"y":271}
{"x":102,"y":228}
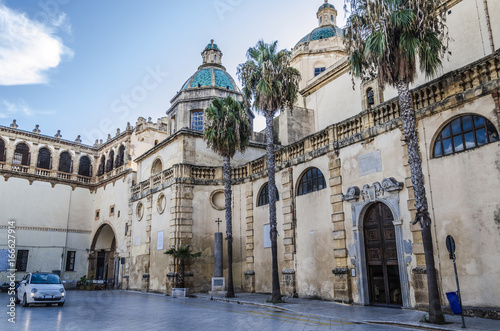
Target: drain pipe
{"x":488,"y":24}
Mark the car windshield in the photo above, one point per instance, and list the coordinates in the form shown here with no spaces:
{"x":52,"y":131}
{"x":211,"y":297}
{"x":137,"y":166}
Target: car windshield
{"x":44,"y":279}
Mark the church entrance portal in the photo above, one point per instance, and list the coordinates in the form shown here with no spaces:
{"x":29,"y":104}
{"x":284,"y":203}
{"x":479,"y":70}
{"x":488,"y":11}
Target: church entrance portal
{"x":381,"y":256}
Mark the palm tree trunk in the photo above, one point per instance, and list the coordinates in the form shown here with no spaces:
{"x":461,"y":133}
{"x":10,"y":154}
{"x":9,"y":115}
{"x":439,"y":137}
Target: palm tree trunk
{"x":229,"y":226}
{"x":180,"y":274}
{"x":276,"y":292}
{"x":417,"y":179}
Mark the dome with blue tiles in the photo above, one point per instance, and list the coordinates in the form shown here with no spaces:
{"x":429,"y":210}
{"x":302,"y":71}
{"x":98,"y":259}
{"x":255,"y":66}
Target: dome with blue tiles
{"x":211,"y":73}
{"x":323,"y":32}
{"x":326,"y":5}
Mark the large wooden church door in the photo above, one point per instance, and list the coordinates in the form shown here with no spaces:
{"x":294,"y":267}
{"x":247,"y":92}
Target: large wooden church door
{"x":381,"y":256}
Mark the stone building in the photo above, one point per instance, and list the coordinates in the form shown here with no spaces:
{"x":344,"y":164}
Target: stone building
{"x":345,"y":204}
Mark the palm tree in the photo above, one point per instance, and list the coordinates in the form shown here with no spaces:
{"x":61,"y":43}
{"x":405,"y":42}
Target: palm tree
{"x":227,"y":130}
{"x":272,"y":84}
{"x":182,"y":254}
{"x":385,"y":38}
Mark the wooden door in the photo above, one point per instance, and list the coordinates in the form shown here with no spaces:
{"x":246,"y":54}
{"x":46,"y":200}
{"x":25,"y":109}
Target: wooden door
{"x":381,"y":256}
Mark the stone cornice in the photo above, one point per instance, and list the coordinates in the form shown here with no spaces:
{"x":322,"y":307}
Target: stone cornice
{"x":326,"y":77}
{"x":35,"y":228}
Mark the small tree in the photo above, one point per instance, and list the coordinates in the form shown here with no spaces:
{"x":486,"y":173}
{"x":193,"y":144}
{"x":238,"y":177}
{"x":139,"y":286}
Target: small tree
{"x":271,"y":84}
{"x":182,"y":254}
{"x":384,"y":38}
{"x":227,"y":131}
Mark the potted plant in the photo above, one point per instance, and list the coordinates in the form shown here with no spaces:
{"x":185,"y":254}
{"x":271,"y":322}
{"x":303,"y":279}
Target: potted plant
{"x":182,"y":254}
{"x":90,"y":284}
{"x":83,"y":282}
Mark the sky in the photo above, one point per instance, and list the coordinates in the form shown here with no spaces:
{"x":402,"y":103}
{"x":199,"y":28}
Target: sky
{"x":89,"y":67}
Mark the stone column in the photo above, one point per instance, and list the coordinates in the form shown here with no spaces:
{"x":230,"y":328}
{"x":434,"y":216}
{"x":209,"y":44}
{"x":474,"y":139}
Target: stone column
{"x":288,"y":274}
{"x":341,"y":279}
{"x":148,"y":217}
{"x":249,"y":273}
{"x":218,"y":257}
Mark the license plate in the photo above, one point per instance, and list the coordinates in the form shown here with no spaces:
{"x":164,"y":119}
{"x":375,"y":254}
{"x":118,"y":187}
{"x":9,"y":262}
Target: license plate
{"x":48,"y":296}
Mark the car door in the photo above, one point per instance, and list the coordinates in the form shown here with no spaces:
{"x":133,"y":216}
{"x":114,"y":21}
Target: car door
{"x":22,"y":287}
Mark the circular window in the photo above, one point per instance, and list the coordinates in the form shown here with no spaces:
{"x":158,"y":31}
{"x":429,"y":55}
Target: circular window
{"x":218,"y":199}
{"x":139,"y":212}
{"x":161,"y":203}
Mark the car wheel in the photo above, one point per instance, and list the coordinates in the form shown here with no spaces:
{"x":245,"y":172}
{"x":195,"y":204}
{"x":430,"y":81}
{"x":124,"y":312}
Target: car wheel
{"x":17,"y":300}
{"x":25,"y":301}
{"x":60,"y":304}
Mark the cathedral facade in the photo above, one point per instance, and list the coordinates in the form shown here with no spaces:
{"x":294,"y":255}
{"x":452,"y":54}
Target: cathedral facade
{"x":345,"y":198}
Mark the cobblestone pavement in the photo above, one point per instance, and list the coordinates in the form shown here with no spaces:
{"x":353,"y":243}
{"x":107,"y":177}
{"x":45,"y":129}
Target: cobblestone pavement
{"x":125,"y":310}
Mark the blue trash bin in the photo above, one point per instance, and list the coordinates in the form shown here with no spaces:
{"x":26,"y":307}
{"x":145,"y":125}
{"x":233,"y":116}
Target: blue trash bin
{"x":454,"y":304}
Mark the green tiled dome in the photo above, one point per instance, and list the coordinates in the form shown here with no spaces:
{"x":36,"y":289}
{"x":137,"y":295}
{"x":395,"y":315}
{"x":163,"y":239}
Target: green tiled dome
{"x":210,"y":76}
{"x":326,"y":5}
{"x":323,"y":32}
{"x":212,"y":45}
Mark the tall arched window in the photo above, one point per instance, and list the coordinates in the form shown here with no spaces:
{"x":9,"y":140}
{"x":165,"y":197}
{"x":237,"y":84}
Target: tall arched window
{"x":157,"y":167}
{"x":312,"y":180}
{"x":22,"y":154}
{"x":264,"y":195}
{"x":464,"y":132}
{"x":102,"y":165}
{"x":85,"y":167}
{"x":65,"y":163}
{"x":44,"y":159}
{"x":2,"y":150}
{"x":109,"y":165}
{"x":120,"y":158}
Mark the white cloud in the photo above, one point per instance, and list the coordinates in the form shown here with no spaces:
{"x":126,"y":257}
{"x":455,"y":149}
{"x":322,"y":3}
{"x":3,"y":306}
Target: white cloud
{"x":28,"y":48}
{"x":9,"y":109}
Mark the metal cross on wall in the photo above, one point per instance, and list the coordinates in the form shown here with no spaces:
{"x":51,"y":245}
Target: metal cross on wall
{"x":218,"y":224}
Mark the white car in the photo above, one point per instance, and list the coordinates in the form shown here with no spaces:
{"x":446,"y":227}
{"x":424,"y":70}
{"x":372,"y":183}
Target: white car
{"x":43,"y":288}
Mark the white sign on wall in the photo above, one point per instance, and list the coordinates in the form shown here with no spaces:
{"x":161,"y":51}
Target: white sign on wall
{"x":159,"y":241}
{"x":267,"y":236}
{"x":138,"y":241}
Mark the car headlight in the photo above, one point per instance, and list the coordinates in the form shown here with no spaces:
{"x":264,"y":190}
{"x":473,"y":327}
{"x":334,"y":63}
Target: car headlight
{"x":34,"y":290}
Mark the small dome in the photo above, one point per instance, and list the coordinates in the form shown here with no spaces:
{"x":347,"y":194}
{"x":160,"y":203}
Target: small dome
{"x":326,"y":5}
{"x":323,"y":32}
{"x":212,"y":45}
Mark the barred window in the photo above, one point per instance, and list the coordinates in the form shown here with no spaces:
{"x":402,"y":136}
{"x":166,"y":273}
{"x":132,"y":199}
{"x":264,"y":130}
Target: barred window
{"x":312,"y":180}
{"x":2,"y":150}
{"x":85,"y":167}
{"x":22,"y":260}
{"x":197,"y":120}
{"x":44,"y":159}
{"x":22,"y":154}
{"x":464,"y":133}
{"x":70,"y":261}
{"x":65,"y":163}
{"x":264,"y":195}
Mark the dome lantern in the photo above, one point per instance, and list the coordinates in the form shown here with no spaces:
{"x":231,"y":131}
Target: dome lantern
{"x":327,"y":14}
{"x":212,"y":54}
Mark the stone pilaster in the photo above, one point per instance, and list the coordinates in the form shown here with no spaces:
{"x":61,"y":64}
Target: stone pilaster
{"x":249,"y":273}
{"x":147,"y":218}
{"x":288,"y":273}
{"x":341,"y":279}
{"x":181,"y":224}
{"x":419,"y":274}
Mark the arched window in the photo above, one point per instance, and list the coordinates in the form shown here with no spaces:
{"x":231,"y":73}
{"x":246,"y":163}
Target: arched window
{"x":157,"y":167}
{"x":312,"y":180}
{"x":22,"y":154}
{"x":44,"y":159}
{"x":85,"y":167}
{"x":102,"y":165}
{"x":464,"y":132}
{"x":109,"y":165}
{"x":370,"y":97}
{"x":264,"y":195}
{"x":2,"y":150}
{"x":65,"y":163}
{"x":120,"y":158}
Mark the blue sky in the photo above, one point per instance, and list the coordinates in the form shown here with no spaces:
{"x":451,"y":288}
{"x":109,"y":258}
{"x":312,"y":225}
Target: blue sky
{"x":89,"y":67}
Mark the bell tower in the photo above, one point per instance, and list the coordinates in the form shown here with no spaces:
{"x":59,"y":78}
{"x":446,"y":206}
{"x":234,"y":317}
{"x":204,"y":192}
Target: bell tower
{"x":327,"y":15}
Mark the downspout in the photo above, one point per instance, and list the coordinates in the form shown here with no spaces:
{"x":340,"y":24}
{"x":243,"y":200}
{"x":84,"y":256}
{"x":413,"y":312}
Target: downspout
{"x":488,"y":24}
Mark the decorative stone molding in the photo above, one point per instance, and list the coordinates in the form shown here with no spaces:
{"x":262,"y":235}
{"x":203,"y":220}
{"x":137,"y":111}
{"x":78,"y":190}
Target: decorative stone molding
{"x":370,"y":193}
{"x":288,"y":272}
{"x":340,"y":271}
{"x":390,"y":184}
{"x":352,"y":194}
{"x":249,"y":273}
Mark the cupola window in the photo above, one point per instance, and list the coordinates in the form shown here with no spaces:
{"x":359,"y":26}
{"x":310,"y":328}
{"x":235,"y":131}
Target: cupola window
{"x":197,"y":120}
{"x":317,"y":71}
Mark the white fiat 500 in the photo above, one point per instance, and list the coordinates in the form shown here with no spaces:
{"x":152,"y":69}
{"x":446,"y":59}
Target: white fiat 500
{"x":45,"y":288}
